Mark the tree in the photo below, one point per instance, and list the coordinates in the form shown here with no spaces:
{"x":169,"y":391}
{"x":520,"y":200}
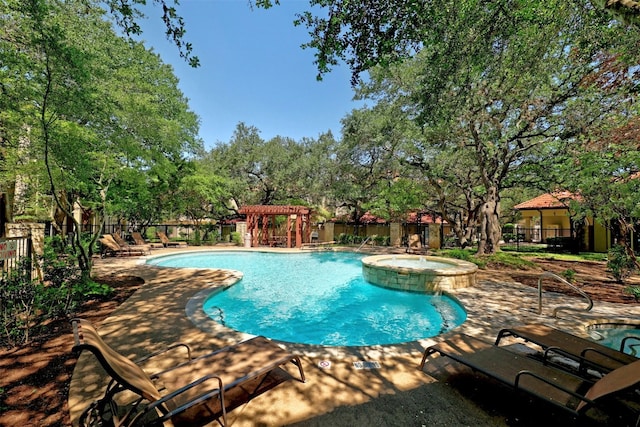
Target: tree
{"x":368,"y":173}
{"x":97,"y":107}
{"x":203,"y":196}
{"x":604,"y":171}
{"x":278,"y":171}
{"x":524,"y":88}
{"x":365,"y":35}
{"x":127,"y":13}
{"x":362,"y":33}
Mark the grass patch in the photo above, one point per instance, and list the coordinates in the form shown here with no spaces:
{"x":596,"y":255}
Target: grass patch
{"x":514,"y":260}
{"x":541,"y":251}
{"x":510,"y":260}
{"x":585,"y":256}
{"x":520,"y":260}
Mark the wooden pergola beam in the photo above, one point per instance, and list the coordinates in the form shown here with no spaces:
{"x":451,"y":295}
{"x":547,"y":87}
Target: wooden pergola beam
{"x":265,"y":214}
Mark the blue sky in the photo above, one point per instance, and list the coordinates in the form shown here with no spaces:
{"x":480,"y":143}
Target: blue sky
{"x":252,"y":70}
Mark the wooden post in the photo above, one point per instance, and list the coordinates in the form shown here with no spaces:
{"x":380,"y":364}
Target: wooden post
{"x":298,"y":231}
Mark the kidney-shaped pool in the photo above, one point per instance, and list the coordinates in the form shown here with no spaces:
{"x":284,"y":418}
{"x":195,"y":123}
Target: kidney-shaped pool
{"x":317,"y":298}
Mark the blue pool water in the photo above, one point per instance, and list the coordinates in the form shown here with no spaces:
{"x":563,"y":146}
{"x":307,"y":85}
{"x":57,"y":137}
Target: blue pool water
{"x":318,"y":298}
{"x":612,"y":337}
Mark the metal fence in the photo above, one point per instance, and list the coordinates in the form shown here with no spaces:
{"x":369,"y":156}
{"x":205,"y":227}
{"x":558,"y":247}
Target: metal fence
{"x":188,"y":232}
{"x":12,"y":251}
{"x":554,"y":239}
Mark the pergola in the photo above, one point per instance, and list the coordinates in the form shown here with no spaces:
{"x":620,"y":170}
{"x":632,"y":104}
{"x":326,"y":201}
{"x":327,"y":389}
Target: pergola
{"x":264,"y":216}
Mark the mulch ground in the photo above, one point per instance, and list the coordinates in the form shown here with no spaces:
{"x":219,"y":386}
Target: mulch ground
{"x":591,"y":278}
{"x":34,"y":380}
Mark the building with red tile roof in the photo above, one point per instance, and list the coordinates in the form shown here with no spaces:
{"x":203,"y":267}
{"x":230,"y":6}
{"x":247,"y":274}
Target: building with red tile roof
{"x":547,"y":218}
{"x":555,"y":200}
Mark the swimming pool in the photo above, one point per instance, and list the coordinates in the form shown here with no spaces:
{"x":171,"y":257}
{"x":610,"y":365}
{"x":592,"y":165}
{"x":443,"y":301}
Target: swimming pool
{"x":317,"y":298}
{"x":612,"y":336}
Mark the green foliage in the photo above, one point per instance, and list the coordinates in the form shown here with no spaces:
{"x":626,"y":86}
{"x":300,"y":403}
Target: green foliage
{"x":381,"y":240}
{"x":620,"y":263}
{"x":18,"y":304}
{"x":65,"y":284}
{"x":498,"y":259}
{"x":26,"y":304}
{"x":569,"y":275}
{"x":96,"y":120}
{"x":508,"y":232}
{"x":457,"y":253}
{"x":236,"y":238}
{"x":509,"y":260}
{"x":350,"y":239}
{"x":633,"y":291}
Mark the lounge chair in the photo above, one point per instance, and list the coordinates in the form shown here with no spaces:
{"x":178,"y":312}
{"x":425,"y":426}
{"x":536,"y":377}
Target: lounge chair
{"x":168,"y":243}
{"x":587,"y":353}
{"x":123,"y":244}
{"x":110,"y":247}
{"x":194,"y":392}
{"x":561,"y":388}
{"x":139,"y":240}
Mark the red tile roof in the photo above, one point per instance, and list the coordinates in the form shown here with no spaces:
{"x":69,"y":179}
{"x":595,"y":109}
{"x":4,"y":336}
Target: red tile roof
{"x":424,"y":218}
{"x":369,"y":218}
{"x":411,"y":218}
{"x":548,"y":201}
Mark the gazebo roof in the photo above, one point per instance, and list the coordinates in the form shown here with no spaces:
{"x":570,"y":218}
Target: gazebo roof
{"x":274,"y":210}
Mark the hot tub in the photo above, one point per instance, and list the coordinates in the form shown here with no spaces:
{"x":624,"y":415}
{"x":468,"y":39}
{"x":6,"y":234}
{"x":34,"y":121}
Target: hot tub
{"x":418,"y":273}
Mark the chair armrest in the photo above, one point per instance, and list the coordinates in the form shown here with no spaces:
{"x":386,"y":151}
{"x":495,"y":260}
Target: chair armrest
{"x":629,"y":338}
{"x":608,"y":356}
{"x":502,"y":334}
{"x":219,"y":390}
{"x":551,"y":383}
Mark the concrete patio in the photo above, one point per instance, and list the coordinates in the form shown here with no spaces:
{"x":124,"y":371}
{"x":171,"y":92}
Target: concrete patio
{"x":336,"y":393}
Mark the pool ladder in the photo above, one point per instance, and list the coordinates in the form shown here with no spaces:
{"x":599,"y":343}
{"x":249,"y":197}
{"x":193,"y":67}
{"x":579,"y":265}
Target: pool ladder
{"x":363,"y":243}
{"x":561,"y":307}
{"x":220,"y":314}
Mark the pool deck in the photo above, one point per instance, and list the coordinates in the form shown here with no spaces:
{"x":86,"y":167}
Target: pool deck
{"x":395,"y":392}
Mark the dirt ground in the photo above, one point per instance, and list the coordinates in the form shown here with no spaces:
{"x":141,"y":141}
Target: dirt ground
{"x":35,"y":378}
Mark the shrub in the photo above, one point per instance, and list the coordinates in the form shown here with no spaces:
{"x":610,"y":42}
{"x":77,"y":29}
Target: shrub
{"x":17,"y":304}
{"x":569,"y":275}
{"x":620,"y":263}
{"x":460,"y":254}
{"x":236,"y":238}
{"x":634,"y":291}
{"x":26,"y":303}
{"x":346,"y":239}
{"x":510,"y":260}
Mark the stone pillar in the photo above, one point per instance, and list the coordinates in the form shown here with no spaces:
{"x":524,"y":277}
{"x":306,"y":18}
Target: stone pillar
{"x":33,"y":229}
{"x":434,"y":236}
{"x":395,"y":235}
{"x":241,"y":227}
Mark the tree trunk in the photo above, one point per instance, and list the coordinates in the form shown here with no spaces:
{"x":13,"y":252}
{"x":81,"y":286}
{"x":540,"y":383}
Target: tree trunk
{"x":490,"y":232}
{"x":625,"y":230}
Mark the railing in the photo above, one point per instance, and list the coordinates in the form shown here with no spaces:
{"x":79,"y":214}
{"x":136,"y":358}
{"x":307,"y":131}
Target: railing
{"x":12,"y":250}
{"x":562,"y":307}
{"x":363,"y":243}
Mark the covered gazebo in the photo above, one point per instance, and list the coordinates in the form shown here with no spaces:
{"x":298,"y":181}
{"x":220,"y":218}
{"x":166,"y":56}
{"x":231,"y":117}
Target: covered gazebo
{"x":261,"y":224}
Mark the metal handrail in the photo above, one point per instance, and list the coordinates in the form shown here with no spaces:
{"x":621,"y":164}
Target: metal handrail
{"x":363,"y":243}
{"x":562,"y":307}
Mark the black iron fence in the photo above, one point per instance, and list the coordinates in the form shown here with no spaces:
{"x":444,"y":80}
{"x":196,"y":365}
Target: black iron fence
{"x":205,"y":233}
{"x":554,"y":239}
